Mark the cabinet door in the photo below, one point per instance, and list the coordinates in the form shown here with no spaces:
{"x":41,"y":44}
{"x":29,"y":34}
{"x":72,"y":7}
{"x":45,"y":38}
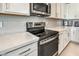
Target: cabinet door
{"x":2,"y":7}
{"x":66,"y":11}
{"x":58,"y":10}
{"x":75,"y":35}
{"x":60,"y":46}
{"x":71,"y":11}
{"x":63,"y":41}
{"x":76,"y":10}
{"x":66,"y":38}
{"x":68,"y":35}
{"x":18,"y":8}
{"x":62,"y":10}
{"x":55,"y":10}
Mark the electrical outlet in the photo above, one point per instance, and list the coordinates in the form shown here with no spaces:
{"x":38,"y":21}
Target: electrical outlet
{"x":0,"y":24}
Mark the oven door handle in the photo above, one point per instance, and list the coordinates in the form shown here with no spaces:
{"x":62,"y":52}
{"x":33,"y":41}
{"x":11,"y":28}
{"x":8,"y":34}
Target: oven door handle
{"x":50,"y":39}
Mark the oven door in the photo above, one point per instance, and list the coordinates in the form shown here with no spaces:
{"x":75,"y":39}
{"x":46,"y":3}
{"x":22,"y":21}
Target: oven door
{"x":48,"y":48}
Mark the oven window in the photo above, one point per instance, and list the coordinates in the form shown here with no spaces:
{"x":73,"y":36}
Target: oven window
{"x":48,"y":49}
{"x":40,"y":7}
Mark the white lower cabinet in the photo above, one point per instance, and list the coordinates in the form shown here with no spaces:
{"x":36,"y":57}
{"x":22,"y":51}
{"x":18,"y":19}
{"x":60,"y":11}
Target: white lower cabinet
{"x":28,"y":50}
{"x":63,"y":40}
{"x":34,"y":53}
{"x":60,"y":46}
{"x":75,"y":34}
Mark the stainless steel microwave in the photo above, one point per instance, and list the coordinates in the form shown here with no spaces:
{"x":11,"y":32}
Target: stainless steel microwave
{"x":40,"y":9}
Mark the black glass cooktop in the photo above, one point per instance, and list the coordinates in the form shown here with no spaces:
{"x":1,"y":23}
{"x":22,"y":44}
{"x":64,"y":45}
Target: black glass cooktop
{"x":46,"y":33}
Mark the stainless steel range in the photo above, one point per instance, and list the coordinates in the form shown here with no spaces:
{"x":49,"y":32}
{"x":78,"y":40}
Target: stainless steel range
{"x":48,"y":39}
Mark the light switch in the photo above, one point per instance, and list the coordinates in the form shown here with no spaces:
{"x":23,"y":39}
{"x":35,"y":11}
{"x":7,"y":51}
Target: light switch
{"x":0,"y":24}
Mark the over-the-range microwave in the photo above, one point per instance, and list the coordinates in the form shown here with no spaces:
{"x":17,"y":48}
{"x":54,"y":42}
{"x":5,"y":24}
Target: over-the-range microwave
{"x":43,"y":9}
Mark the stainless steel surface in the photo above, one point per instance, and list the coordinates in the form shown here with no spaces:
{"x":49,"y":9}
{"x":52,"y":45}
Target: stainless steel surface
{"x":36,"y":6}
{"x":48,"y":40}
{"x":35,"y":24}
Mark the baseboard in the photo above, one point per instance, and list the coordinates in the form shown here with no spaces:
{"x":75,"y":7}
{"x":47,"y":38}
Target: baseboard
{"x":74,"y":41}
{"x":55,"y":54}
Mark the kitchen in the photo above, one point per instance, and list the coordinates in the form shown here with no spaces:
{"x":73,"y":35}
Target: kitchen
{"x":20,"y":23}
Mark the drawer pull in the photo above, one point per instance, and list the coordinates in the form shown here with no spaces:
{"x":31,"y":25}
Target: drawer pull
{"x":24,"y":51}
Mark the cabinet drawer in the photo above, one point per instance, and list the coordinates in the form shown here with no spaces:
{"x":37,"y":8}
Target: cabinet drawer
{"x":22,"y":50}
{"x":34,"y":53}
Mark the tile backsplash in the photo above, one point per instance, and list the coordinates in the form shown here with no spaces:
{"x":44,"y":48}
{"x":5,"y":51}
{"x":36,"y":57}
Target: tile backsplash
{"x":13,"y":24}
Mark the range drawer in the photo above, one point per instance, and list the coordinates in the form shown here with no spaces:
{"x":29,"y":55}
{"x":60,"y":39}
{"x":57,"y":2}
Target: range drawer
{"x":24,"y":50}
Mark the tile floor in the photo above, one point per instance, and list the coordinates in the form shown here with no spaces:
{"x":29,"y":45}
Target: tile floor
{"x":71,"y":50}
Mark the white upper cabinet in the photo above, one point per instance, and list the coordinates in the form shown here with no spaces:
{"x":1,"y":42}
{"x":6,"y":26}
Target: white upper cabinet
{"x":15,"y":8}
{"x":76,"y":10}
{"x":55,"y":10}
{"x":61,"y":10}
{"x":71,"y":11}
{"x":58,"y":10}
{"x":65,"y":10}
{"x":2,"y":7}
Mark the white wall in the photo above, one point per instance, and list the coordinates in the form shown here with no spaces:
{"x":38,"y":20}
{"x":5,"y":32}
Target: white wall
{"x":12,"y":24}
